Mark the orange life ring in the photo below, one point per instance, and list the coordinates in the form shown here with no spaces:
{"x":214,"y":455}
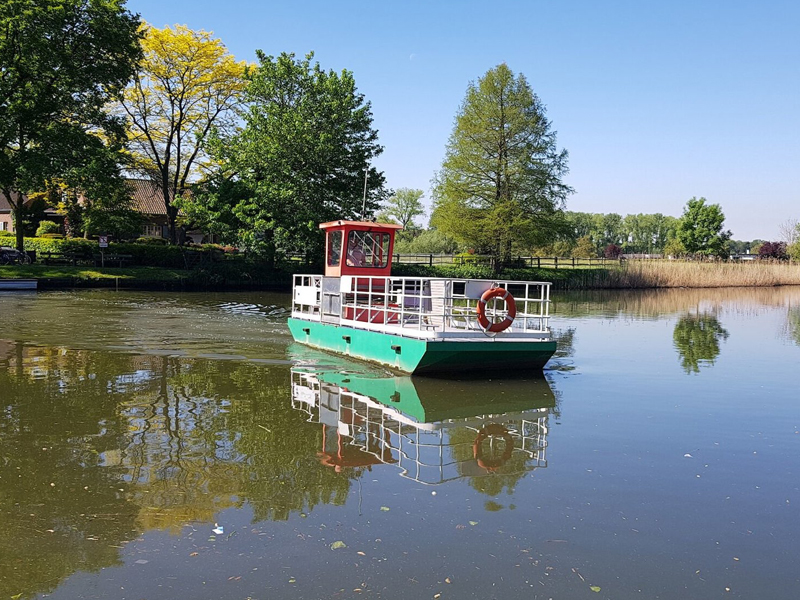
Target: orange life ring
{"x":483,"y":321}
{"x":492,"y":430}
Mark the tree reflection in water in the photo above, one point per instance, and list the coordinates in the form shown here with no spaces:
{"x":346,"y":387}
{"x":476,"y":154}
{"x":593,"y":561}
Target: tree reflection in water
{"x":697,"y":338}
{"x":97,"y":448}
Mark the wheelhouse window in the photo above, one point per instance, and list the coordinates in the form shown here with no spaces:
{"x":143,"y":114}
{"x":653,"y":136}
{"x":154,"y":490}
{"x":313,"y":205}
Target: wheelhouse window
{"x":334,"y":248}
{"x":367,"y":249}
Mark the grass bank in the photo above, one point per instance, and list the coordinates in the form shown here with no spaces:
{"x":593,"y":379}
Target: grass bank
{"x":213,"y":277}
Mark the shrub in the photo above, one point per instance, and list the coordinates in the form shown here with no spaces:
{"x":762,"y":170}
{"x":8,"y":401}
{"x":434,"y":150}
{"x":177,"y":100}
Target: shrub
{"x":773,"y":250}
{"x":7,"y":234}
{"x":52,"y":236}
{"x":46,"y":227}
{"x":155,"y":241}
{"x":612,"y":251}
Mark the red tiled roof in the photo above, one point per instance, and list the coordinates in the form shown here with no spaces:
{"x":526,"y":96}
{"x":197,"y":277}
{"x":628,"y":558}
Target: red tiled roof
{"x":147,"y":197}
{"x":4,"y":204}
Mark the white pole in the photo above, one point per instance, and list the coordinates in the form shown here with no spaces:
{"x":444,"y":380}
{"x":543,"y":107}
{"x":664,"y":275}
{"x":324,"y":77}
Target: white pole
{"x":364,"y":203}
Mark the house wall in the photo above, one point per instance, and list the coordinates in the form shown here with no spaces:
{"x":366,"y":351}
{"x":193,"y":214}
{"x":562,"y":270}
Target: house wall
{"x":6,"y":222}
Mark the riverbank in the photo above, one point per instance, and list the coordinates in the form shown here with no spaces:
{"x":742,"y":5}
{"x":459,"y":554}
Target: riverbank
{"x":243,"y":276}
{"x":215,"y":277}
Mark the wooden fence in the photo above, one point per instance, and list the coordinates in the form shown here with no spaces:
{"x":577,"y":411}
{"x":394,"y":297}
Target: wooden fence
{"x":539,"y":262}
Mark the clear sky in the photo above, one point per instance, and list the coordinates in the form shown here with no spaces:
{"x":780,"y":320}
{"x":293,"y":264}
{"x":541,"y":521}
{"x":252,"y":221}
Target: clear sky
{"x":656,"y":102}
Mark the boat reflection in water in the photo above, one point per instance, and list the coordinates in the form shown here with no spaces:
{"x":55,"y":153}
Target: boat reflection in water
{"x":433,"y":430}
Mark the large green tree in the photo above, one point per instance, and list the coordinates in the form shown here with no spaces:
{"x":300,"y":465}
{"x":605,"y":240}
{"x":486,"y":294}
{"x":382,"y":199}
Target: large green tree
{"x":700,"y":229}
{"x":61,"y":62}
{"x":300,"y":159}
{"x":501,"y":185}
{"x":404,"y":206}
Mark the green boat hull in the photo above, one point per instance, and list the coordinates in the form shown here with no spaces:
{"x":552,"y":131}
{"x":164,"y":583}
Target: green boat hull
{"x":411,"y":355}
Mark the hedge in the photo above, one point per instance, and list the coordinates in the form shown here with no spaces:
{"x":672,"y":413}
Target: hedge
{"x":148,"y":255}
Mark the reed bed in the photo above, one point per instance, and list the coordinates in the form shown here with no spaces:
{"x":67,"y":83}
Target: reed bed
{"x":673,"y":274}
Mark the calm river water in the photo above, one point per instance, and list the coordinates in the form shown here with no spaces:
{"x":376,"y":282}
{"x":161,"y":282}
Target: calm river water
{"x":167,"y":446}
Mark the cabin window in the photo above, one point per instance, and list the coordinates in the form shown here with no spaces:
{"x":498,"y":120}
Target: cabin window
{"x":334,"y":248}
{"x":367,"y":249}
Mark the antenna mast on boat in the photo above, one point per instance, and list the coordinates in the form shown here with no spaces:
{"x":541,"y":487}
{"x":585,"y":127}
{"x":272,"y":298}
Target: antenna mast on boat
{"x":364,"y":202}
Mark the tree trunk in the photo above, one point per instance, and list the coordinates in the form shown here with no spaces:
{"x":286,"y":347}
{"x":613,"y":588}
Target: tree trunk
{"x":19,"y":214}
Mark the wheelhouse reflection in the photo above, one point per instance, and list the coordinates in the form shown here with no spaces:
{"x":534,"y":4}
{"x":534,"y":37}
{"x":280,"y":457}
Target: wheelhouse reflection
{"x":432,"y":430}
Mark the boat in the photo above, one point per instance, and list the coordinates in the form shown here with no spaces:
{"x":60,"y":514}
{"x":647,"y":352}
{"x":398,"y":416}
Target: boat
{"x":418,"y":325}
{"x":419,"y":426}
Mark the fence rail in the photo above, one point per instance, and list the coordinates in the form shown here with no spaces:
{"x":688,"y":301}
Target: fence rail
{"x":551,"y":262}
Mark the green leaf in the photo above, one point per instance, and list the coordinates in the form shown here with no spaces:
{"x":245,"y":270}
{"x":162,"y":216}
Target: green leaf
{"x":595,"y":588}
{"x":338,"y":544}
{"x":385,"y":508}
{"x":473,"y":523}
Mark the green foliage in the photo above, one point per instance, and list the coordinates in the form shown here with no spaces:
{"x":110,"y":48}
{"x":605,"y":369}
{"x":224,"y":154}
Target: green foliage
{"x":700,"y":229}
{"x":52,"y":236}
{"x":635,"y":233}
{"x":674,"y":248}
{"x":794,"y":251}
{"x":62,"y":62}
{"x":299,"y":160}
{"x":697,"y":339}
{"x":584,"y":248}
{"x":500,"y":187}
{"x":404,"y":206}
{"x":47,"y":227}
{"x":118,"y":221}
{"x":430,"y":241}
{"x":188,"y":85}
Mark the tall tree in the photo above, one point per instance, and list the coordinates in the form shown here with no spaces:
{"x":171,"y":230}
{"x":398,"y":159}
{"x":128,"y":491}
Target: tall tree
{"x":188,"y":83}
{"x":61,"y":62}
{"x":500,"y":184}
{"x":404,"y":206}
{"x":300,"y":159}
{"x":700,"y":229}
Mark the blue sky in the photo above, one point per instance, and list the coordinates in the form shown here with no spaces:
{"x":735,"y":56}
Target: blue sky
{"x":656,"y":102}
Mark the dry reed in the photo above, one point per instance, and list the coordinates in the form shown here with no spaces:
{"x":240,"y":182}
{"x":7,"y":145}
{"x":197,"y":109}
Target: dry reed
{"x":671,"y":274}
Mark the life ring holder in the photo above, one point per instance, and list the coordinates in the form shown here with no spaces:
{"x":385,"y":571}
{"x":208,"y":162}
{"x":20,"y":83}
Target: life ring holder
{"x":511,"y":304}
{"x":492,"y":430}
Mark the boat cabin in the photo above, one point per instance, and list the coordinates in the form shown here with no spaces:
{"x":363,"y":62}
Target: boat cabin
{"x":358,"y":248}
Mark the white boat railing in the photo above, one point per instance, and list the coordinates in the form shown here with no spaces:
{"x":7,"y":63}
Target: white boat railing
{"x":429,"y":453}
{"x":423,"y":307}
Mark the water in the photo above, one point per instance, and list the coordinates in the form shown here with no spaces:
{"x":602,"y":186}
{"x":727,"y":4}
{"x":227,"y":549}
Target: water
{"x":658,"y":457}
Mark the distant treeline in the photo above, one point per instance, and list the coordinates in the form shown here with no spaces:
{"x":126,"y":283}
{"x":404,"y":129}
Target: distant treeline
{"x":583,"y":235}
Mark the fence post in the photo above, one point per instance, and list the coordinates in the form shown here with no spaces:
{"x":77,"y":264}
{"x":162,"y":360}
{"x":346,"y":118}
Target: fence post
{"x":555,"y":262}
{"x":430,"y":260}
{"x":538,"y":262}
{"x":397,"y":258}
{"x":573,"y":262}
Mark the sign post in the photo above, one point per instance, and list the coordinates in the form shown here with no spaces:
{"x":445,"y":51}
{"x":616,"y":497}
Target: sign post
{"x":103,"y":244}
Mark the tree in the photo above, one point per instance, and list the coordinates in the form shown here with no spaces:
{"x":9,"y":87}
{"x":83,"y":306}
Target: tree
{"x":700,"y":229}
{"x":773,"y":250}
{"x":404,"y":206}
{"x":300,"y":159}
{"x":790,"y":231}
{"x":500,"y":185}
{"x":584,"y":248}
{"x":188,"y":84}
{"x":62,"y":61}
{"x":612,"y":251}
{"x":674,"y":248}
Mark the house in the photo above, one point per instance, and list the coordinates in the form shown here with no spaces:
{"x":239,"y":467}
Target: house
{"x":7,"y":213}
{"x":147,"y":199}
